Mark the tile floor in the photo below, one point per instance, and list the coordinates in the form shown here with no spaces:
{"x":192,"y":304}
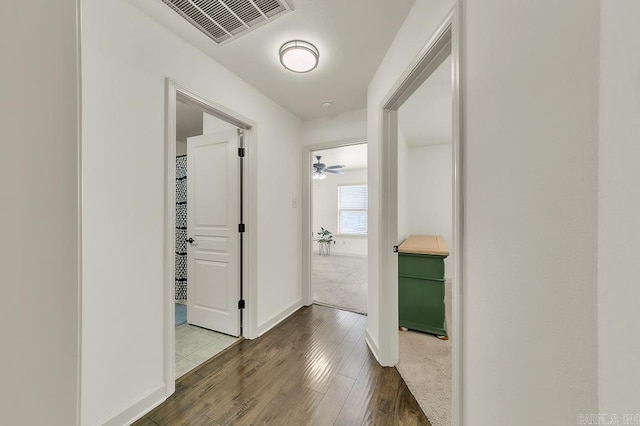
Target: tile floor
{"x":195,"y":345}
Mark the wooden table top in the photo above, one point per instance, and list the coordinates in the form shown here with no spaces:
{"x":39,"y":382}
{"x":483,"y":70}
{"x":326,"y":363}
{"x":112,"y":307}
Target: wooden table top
{"x":424,"y":244}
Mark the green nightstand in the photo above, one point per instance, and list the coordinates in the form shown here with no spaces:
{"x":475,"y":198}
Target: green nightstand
{"x":421,"y":284}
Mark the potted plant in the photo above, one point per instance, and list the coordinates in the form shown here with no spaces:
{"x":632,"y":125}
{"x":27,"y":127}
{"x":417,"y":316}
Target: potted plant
{"x":325,"y":239}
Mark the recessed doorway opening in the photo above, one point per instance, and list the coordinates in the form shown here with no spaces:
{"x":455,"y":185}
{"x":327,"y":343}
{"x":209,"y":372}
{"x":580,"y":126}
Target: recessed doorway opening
{"x":204,"y":325}
{"x":339,"y":206}
{"x":346,"y":246}
{"x":444,"y":44}
{"x":209,"y":231}
{"x":425,"y":206}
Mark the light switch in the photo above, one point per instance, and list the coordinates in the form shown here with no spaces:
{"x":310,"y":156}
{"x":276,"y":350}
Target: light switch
{"x":294,"y":202}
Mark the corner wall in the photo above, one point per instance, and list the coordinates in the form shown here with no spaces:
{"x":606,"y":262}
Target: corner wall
{"x":40,"y":213}
{"x":126,"y":58}
{"x":619,"y":227}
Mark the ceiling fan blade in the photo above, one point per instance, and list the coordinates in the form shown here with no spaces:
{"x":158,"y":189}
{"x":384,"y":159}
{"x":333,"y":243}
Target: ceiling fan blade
{"x":337,"y":166}
{"x":334,"y":172}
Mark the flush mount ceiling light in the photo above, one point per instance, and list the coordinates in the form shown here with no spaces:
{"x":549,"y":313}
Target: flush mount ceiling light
{"x":299,"y":56}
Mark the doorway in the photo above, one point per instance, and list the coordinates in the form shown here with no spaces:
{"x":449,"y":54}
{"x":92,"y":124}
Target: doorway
{"x":425,"y":206}
{"x":207,"y":250}
{"x":310,"y":247}
{"x":339,"y":206}
{"x":444,"y":43}
{"x":209,"y":239}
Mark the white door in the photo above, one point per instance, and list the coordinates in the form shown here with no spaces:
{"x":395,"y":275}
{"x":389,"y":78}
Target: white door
{"x":213,"y":258}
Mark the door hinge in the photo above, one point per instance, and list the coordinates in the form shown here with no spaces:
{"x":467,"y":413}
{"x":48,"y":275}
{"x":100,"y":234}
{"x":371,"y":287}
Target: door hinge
{"x":241,"y":304}
{"x":240,"y":152}
{"x":241,"y":227}
{"x":395,"y":249}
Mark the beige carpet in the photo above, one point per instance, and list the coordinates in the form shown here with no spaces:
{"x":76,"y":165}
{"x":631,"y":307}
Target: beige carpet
{"x":425,"y":365}
{"x":340,"y":281}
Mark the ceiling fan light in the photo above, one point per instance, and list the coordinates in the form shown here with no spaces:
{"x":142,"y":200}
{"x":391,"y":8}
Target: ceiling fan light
{"x":299,"y":56}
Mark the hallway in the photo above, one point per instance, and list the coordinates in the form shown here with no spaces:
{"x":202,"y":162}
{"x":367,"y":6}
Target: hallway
{"x":314,"y":368}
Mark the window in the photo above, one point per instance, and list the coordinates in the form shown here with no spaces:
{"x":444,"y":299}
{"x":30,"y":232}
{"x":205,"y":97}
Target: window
{"x":352,"y":209}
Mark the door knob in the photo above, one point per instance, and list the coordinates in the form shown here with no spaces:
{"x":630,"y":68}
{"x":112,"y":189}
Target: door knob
{"x":190,"y":240}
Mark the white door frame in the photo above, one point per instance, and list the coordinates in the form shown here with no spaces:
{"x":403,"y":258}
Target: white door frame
{"x":431,"y":55}
{"x":307,"y":209}
{"x":173,"y":92}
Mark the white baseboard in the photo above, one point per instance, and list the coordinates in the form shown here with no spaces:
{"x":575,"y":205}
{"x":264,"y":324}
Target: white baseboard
{"x":373,"y":345}
{"x":343,"y":254}
{"x":268,"y":325}
{"x":351,"y":255}
{"x":138,"y":409}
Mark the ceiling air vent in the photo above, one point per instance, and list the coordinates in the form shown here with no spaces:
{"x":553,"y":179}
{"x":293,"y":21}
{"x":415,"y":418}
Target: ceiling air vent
{"x":225,"y":20}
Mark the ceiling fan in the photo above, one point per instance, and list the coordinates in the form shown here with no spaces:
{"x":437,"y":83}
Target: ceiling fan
{"x":319,"y":169}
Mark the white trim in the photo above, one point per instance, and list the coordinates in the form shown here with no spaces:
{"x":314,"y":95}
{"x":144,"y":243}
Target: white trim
{"x":137,"y":410}
{"x":457,"y":344}
{"x":173,"y":91}
{"x":357,"y":256}
{"x":268,"y":325}
{"x":373,"y":344}
{"x":250,"y":259}
{"x":79,"y":206}
{"x":307,"y":208}
{"x":388,"y":235}
{"x":360,"y":256}
{"x":410,"y":80}
{"x":169,"y":243}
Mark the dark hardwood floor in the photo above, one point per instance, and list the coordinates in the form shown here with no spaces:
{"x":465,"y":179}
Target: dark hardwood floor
{"x":314,"y":368}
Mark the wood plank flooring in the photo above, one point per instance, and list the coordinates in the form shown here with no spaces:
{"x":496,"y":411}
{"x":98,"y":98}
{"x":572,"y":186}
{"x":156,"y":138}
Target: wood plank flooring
{"x":314,"y":368}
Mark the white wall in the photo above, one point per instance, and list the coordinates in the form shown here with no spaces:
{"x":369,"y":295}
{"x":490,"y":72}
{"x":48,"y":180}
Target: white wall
{"x":181,"y":148}
{"x":530,"y":82}
{"x":403,"y":187}
{"x":422,"y":21}
{"x":40,"y":213}
{"x":530,"y":108}
{"x":348,"y":125}
{"x":211,"y":124}
{"x":325,"y":211}
{"x":126,"y":57}
{"x":619,"y":174}
{"x":429,"y":206}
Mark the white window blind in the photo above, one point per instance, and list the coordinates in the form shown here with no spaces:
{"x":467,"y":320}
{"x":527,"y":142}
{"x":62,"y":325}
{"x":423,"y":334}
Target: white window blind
{"x":352,"y":209}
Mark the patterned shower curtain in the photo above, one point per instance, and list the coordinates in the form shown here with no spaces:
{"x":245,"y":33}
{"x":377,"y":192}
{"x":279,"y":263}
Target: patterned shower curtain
{"x":181,"y":228}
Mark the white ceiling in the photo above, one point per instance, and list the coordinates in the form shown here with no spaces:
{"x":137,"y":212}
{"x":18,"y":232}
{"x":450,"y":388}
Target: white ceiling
{"x":351,"y":35}
{"x":351,"y":157}
{"x":426,"y":117}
